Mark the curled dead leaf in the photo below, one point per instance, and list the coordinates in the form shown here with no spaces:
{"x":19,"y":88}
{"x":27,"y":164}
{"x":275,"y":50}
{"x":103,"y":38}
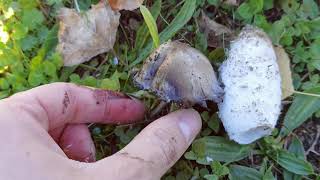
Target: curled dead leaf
{"x":83,"y":36}
{"x":177,"y":72}
{"x":125,"y":4}
{"x":285,"y":71}
{"x":217,"y":34}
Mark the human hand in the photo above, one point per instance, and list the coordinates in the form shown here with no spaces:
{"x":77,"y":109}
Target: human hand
{"x":42,"y":127}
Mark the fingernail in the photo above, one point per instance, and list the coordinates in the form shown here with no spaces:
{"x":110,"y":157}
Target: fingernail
{"x":190,"y":124}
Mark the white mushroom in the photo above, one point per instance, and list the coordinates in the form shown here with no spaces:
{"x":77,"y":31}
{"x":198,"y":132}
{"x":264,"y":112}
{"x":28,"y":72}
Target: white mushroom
{"x":252,"y":87}
{"x":180,"y":73}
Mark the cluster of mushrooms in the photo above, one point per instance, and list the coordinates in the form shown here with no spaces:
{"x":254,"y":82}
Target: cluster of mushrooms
{"x":248,"y":90}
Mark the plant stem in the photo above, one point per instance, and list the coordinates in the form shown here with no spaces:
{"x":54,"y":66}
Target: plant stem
{"x":77,"y":6}
{"x":307,"y":94}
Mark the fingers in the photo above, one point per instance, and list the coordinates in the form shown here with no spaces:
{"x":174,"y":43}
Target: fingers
{"x":77,"y":144}
{"x":157,"y":147}
{"x":58,"y":104}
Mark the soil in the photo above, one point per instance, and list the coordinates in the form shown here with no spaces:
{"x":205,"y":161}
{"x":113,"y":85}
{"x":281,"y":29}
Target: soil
{"x":309,"y":133}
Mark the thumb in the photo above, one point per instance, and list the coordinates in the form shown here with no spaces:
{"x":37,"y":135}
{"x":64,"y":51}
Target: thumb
{"x":157,"y":147}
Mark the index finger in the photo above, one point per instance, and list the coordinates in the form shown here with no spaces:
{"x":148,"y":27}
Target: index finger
{"x":63,"y":103}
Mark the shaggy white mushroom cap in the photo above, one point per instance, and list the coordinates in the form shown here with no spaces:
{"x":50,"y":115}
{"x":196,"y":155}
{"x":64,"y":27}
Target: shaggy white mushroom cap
{"x":252,"y":86}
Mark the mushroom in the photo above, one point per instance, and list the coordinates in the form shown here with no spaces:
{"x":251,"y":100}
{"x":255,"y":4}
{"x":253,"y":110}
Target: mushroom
{"x":177,"y":72}
{"x":252,"y":87}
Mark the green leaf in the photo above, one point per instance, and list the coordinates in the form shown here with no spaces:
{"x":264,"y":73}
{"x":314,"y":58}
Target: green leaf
{"x":241,"y":172}
{"x":36,"y":78}
{"x":214,"y":2}
{"x":51,"y":41}
{"x":4,"y":85}
{"x":211,"y":177}
{"x":293,"y":164}
{"x":256,"y":6}
{"x":4,"y":94}
{"x":177,"y":23}
{"x":201,"y":42}
{"x":301,"y":109}
{"x":277,"y":30}
{"x":19,"y":31}
{"x":220,"y":149}
{"x":244,"y":11}
{"x":310,"y":8}
{"x":268,"y":174}
{"x":110,"y":84}
{"x":268,"y":4}
{"x":219,"y":169}
{"x":296,"y":147}
{"x":152,"y":25}
{"x":143,"y":33}
{"x":28,"y":43}
{"x":32,"y":18}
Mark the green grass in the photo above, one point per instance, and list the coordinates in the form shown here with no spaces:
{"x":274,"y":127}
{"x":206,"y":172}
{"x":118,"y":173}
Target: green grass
{"x":28,"y":36}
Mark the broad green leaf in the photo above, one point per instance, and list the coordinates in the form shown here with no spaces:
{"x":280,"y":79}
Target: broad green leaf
{"x":296,"y":147}
{"x":4,"y":85}
{"x":268,"y":174}
{"x":51,"y":41}
{"x":36,"y":78}
{"x":310,"y":8}
{"x":277,"y":31}
{"x":32,"y":18}
{"x":211,"y":177}
{"x":220,"y":149}
{"x":143,"y":33}
{"x":152,"y":25}
{"x":244,"y":11}
{"x":256,"y":5}
{"x":219,"y":169}
{"x":4,"y":94}
{"x":241,"y":172}
{"x":301,"y":109}
{"x":177,"y":23}
{"x":268,"y":4}
{"x":214,"y":2}
{"x":293,"y":164}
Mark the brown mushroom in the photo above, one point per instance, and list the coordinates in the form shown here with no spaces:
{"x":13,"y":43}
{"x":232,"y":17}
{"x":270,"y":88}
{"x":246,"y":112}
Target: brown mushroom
{"x":177,"y":72}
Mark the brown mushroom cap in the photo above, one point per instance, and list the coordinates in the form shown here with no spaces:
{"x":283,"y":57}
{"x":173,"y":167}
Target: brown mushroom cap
{"x":177,"y":72}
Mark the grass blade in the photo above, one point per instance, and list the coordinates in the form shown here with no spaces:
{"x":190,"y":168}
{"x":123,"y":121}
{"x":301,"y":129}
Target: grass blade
{"x":177,"y":23}
{"x":152,"y":26}
{"x":143,"y":33}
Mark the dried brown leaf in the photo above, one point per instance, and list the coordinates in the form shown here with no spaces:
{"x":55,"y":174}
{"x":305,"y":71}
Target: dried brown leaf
{"x":217,"y":34}
{"x":285,"y":71}
{"x":125,"y":4}
{"x":83,"y":36}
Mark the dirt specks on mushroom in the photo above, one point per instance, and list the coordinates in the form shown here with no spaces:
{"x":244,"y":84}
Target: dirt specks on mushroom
{"x":250,"y":113}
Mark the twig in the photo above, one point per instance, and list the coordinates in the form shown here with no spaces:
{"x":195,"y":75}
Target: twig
{"x":312,"y":147}
{"x":158,"y":109}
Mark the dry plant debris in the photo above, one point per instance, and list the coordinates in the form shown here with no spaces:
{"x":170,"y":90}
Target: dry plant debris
{"x":83,"y":36}
{"x":125,"y":4}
